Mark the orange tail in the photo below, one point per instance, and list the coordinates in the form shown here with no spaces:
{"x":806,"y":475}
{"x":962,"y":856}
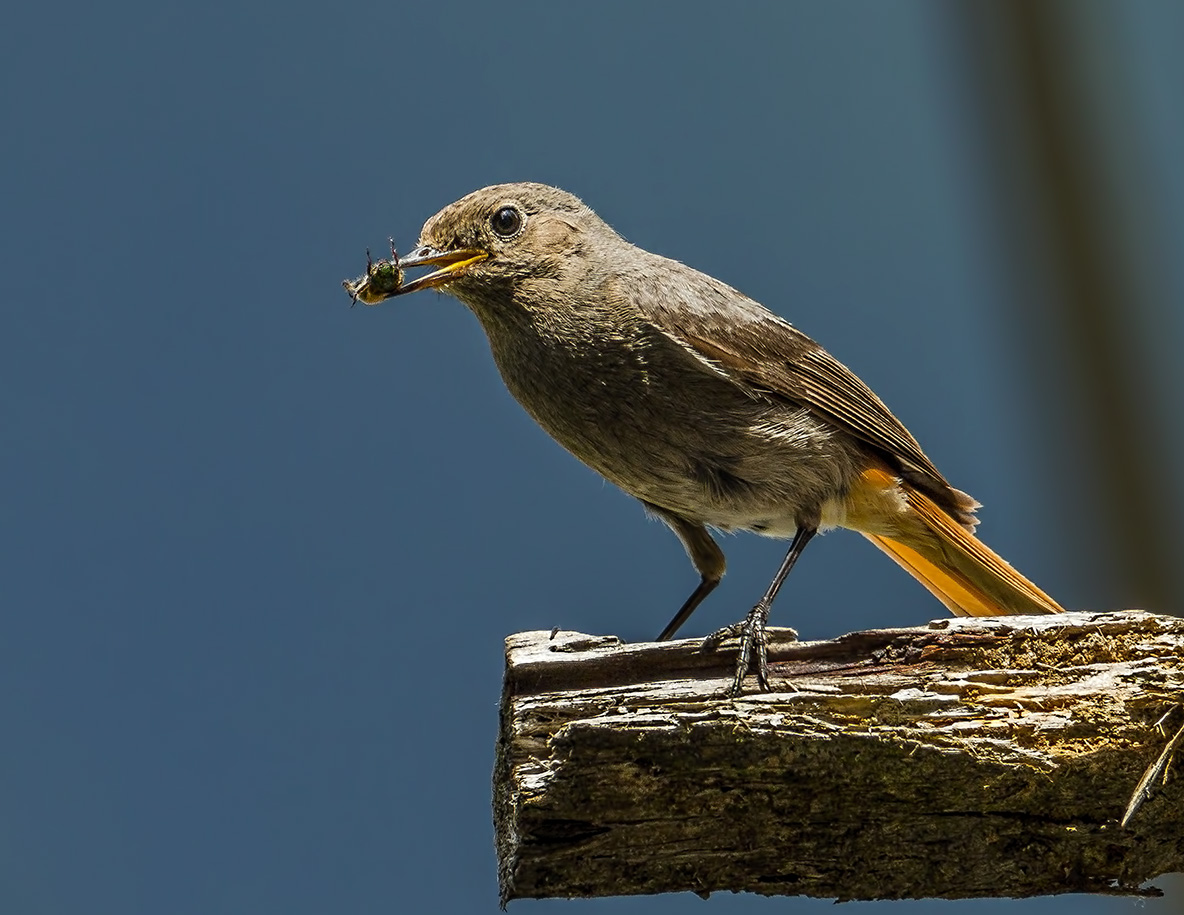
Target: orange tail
{"x":957,"y":568}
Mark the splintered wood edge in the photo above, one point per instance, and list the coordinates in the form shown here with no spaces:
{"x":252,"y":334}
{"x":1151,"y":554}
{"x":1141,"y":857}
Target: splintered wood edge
{"x":546,"y":660}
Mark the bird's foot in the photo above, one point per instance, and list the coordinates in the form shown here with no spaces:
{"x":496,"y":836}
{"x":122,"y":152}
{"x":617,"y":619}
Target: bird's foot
{"x":754,"y":651}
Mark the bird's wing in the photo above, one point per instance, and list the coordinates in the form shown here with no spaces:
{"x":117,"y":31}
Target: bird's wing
{"x":767,"y":355}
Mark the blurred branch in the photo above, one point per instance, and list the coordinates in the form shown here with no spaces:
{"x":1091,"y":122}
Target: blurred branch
{"x":1082,"y":296}
{"x":976,"y":757}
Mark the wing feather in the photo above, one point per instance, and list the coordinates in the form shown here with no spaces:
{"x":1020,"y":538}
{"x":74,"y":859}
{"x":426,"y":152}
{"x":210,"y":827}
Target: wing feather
{"x":765,"y":354}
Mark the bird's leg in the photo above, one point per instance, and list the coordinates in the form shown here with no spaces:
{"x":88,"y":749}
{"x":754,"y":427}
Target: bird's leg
{"x":706,"y":586}
{"x":706,"y":556}
{"x":751,"y":629}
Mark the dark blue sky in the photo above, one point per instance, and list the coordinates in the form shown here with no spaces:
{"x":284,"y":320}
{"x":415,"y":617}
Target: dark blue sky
{"x":259,"y":550}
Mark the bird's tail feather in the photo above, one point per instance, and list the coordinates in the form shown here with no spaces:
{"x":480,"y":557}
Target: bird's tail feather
{"x":958,"y":568}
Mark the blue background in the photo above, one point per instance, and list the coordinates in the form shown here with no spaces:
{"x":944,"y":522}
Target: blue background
{"x":259,"y":551}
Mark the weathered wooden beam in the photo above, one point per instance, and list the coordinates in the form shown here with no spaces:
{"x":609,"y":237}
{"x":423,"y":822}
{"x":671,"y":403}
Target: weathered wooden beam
{"x":972,"y":757}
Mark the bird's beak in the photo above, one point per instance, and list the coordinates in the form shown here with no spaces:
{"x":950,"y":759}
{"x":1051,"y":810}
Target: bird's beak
{"x":384,"y":279}
{"x":449,"y":265}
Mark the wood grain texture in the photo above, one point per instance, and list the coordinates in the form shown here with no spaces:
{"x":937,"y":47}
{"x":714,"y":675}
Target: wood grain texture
{"x":989,"y":756}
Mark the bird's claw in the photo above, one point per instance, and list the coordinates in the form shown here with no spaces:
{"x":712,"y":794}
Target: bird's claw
{"x":713,"y":641}
{"x":754,"y":649}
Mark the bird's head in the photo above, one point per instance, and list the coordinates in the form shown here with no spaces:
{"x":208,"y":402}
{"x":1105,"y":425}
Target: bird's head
{"x":505,"y":240}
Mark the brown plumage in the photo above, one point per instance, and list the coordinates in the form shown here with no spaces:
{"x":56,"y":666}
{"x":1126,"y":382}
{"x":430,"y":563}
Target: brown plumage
{"x":710,"y":409}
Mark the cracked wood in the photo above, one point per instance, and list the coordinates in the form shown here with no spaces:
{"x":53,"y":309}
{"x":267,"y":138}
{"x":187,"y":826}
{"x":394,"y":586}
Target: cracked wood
{"x":972,"y":757}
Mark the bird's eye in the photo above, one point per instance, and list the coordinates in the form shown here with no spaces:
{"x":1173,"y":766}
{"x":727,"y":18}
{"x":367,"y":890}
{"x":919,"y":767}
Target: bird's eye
{"x":506,"y":222}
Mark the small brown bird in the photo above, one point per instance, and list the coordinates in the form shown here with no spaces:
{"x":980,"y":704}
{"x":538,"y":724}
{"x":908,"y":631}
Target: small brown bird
{"x":707,"y":407}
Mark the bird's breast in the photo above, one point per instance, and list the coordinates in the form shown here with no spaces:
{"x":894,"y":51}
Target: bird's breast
{"x":634,"y":406}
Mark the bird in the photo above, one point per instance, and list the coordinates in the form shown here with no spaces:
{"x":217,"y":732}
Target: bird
{"x":713,"y":411}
